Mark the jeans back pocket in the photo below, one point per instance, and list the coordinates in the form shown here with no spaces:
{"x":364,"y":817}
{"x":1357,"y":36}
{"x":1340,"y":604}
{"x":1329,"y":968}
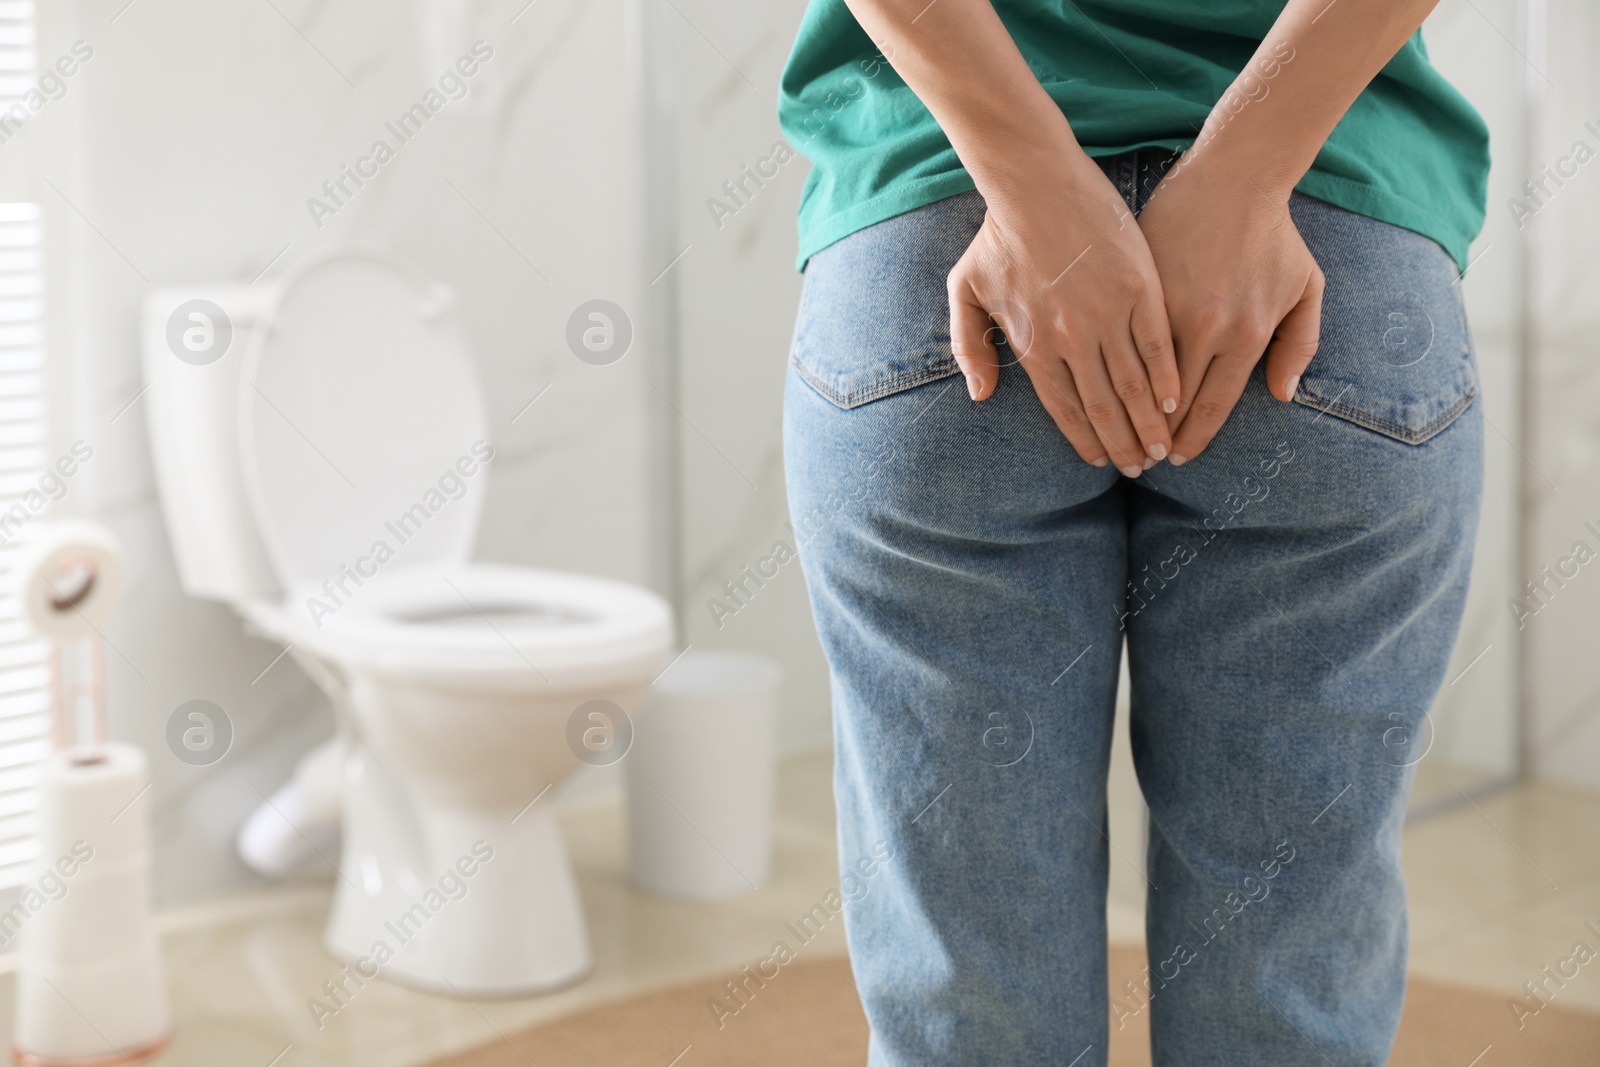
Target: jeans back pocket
{"x":874,"y":317}
{"x":1395,"y":355}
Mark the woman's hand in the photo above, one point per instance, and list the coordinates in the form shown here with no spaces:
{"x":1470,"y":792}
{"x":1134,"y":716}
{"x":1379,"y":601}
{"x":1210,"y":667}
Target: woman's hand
{"x":1238,"y":281}
{"x":1058,"y":261}
{"x":1060,"y":264}
{"x":1236,"y":275}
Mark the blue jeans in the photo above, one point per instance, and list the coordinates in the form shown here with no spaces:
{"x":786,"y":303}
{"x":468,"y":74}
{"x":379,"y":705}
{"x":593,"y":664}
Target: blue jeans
{"x":1289,"y":600}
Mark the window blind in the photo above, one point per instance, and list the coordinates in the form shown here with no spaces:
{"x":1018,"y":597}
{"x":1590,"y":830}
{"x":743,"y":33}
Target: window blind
{"x":24,"y":661}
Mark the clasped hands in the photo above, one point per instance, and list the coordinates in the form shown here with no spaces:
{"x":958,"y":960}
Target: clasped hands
{"x":1139,"y":335}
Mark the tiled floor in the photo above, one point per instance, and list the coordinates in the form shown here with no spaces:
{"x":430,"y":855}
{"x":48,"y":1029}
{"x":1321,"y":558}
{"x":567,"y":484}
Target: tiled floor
{"x":1504,"y":886}
{"x":241,"y":971}
{"x":1498,"y":891}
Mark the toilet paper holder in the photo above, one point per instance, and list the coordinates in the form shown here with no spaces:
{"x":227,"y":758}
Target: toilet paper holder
{"x":74,"y":1010}
{"x":78,"y":698}
{"x":69,"y":580}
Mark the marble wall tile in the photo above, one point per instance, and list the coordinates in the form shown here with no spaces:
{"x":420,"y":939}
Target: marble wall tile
{"x":738,"y":292}
{"x":1562,"y":219}
{"x":1474,"y":722}
{"x":187,"y":149}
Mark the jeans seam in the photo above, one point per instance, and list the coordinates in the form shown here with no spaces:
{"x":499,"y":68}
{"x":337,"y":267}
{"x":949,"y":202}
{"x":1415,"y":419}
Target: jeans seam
{"x":900,"y":382}
{"x":1404,"y":434}
{"x":1128,"y":179}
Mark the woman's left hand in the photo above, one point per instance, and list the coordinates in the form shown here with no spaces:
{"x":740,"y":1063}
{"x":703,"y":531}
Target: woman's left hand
{"x":1238,"y":281}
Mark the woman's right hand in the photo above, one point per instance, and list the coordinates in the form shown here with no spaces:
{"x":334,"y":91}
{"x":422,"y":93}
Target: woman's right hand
{"x":1063,"y":268}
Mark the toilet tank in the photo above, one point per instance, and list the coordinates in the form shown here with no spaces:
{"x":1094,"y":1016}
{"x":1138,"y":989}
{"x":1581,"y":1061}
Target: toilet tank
{"x":194,"y":340}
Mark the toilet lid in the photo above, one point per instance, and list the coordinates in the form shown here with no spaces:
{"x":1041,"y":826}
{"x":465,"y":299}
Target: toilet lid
{"x":363,"y":434}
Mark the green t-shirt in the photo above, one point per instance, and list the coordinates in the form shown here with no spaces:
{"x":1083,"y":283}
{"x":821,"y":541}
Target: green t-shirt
{"x":1127,"y":74}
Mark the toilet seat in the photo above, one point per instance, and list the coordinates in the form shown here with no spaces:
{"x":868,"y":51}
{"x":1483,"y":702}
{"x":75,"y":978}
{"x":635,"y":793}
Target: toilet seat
{"x":485,"y":625}
{"x":362,"y":438}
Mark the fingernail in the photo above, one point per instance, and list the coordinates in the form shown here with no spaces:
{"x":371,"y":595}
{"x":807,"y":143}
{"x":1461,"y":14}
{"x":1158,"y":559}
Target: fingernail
{"x":1294,"y":383}
{"x":973,"y":385}
{"x":1131,"y":471}
{"x":1102,"y":461}
{"x":1148,"y":463}
{"x":1177,"y":460}
{"x":1170,"y":405}
{"x":1158,"y":452}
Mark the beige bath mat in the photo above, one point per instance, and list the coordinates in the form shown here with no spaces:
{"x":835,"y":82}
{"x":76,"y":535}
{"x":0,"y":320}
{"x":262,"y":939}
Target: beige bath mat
{"x":809,"y":1016}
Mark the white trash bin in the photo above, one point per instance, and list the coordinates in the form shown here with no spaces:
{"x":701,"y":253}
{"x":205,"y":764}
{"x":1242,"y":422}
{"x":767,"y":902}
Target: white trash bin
{"x":700,"y":777}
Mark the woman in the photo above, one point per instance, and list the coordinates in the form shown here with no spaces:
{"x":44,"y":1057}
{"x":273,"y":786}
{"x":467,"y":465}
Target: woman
{"x":1225,"y":417}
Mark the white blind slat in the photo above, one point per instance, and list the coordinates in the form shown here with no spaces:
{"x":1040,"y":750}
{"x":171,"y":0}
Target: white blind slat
{"x":25,"y":667}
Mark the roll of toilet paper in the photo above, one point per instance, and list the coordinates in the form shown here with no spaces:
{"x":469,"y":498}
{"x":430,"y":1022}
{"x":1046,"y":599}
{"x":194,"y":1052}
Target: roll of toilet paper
{"x":97,"y":797}
{"x":69,"y":579}
{"x":89,"y":980}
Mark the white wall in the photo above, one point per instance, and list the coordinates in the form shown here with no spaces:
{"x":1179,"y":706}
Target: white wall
{"x":738,"y":293}
{"x":1474,"y":719}
{"x":185,"y":150}
{"x":1565,"y":730}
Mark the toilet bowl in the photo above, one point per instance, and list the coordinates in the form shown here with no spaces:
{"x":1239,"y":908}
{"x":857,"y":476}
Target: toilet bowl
{"x":323,"y":474}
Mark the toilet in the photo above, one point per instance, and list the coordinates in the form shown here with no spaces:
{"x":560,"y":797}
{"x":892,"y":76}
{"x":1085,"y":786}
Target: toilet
{"x":322,"y":452}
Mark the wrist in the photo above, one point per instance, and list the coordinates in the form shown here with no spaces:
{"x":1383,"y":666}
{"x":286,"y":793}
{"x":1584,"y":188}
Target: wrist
{"x":1034,"y":171}
{"x":1230,"y":156}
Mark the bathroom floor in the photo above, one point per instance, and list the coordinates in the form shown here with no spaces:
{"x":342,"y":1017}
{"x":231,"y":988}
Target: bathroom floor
{"x":1498,"y":891}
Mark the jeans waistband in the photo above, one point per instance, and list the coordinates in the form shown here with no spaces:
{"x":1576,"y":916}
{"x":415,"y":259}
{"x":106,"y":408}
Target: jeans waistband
{"x":1137,"y":173}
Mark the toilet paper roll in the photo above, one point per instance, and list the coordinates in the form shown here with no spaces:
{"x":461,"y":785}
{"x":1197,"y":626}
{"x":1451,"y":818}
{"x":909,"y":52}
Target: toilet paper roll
{"x":98,"y":797}
{"x":69,"y":579}
{"x":89,"y":981}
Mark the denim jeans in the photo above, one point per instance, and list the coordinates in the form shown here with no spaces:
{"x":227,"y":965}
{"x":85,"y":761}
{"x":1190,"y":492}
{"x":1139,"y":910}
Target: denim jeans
{"x":1289,"y":599}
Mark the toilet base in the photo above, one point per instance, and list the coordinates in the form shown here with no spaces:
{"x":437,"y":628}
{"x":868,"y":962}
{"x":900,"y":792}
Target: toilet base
{"x":457,"y":902}
{"x":423,"y":983}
